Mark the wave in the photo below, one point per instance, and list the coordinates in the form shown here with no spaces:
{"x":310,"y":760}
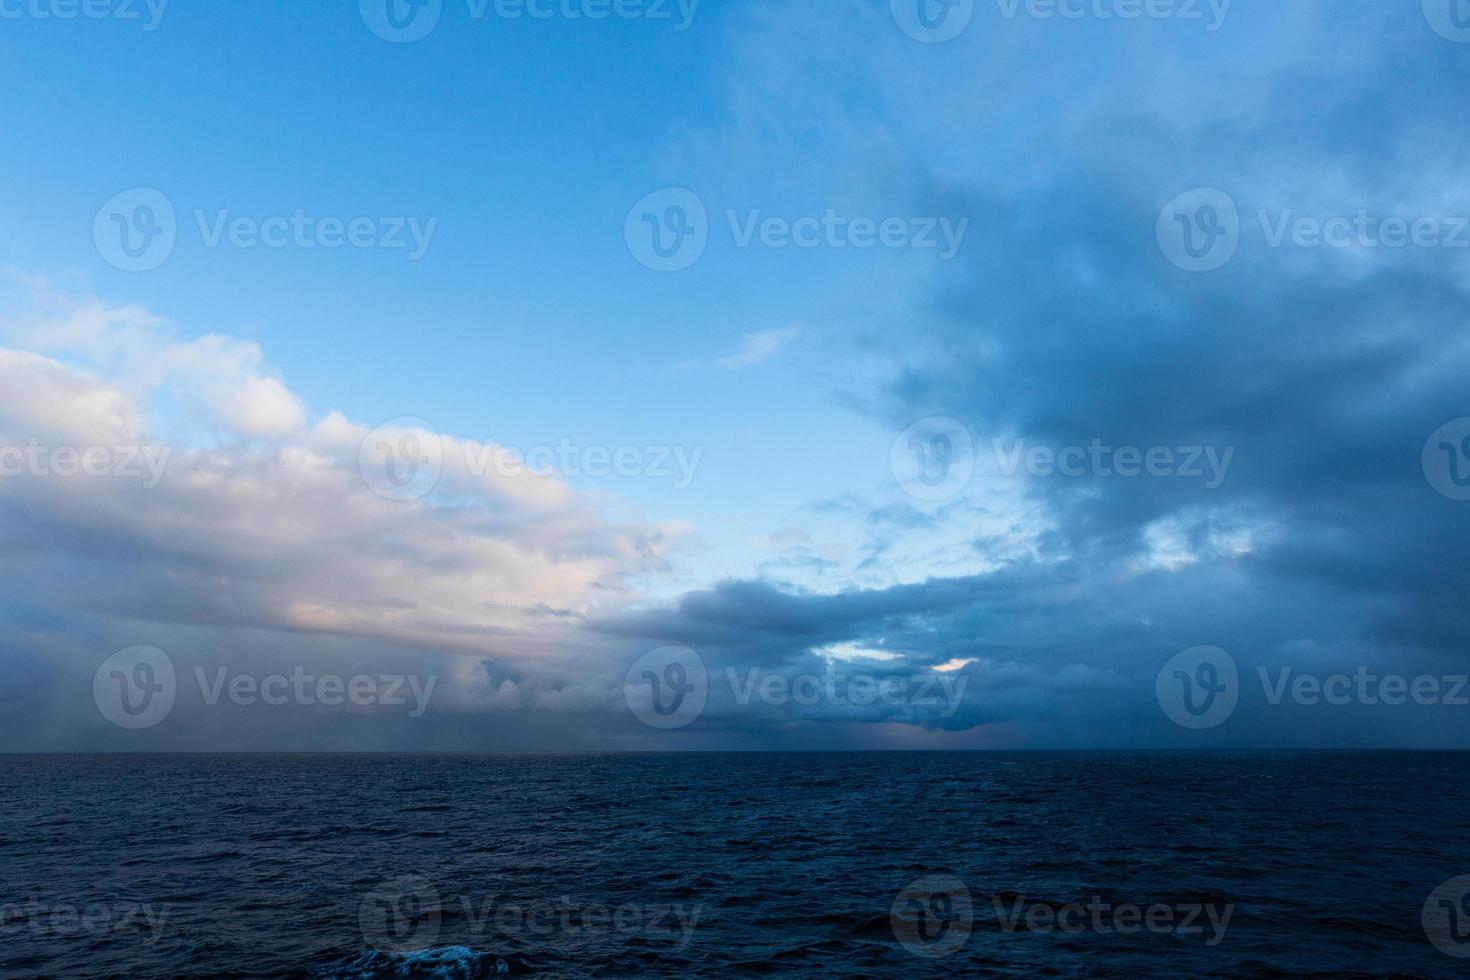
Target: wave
{"x":448,"y":962}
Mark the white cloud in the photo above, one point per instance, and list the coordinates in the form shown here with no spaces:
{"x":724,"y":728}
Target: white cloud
{"x":225,"y":378}
{"x":759,"y":346}
{"x":285,"y":533}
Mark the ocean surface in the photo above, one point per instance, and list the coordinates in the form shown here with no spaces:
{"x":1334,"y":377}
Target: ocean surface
{"x":906,"y":865}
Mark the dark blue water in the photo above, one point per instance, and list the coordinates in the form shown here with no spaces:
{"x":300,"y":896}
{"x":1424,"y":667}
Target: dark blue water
{"x":711,"y":865}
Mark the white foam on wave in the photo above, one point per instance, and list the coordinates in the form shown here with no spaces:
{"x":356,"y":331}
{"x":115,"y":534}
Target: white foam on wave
{"x":449,"y":962}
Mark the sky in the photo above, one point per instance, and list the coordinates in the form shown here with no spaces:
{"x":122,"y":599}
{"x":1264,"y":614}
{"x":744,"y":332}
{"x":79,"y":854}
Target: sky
{"x":567,"y":375}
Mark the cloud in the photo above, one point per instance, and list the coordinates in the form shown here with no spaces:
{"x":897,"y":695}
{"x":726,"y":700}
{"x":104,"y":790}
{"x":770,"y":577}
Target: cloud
{"x":1062,"y":322}
{"x":1056,"y":598}
{"x":758,"y":347}
{"x":288,"y":534}
{"x":269,"y":524}
{"x":224,"y":378}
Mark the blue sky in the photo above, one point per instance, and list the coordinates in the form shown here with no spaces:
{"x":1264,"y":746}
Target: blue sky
{"x":1048,"y":144}
{"x":528,"y":141}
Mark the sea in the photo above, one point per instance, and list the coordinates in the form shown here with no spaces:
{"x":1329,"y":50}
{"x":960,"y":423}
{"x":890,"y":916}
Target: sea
{"x":714,"y":865}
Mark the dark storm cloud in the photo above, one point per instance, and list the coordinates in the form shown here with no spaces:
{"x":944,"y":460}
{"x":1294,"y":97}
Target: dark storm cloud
{"x":1323,"y":370}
